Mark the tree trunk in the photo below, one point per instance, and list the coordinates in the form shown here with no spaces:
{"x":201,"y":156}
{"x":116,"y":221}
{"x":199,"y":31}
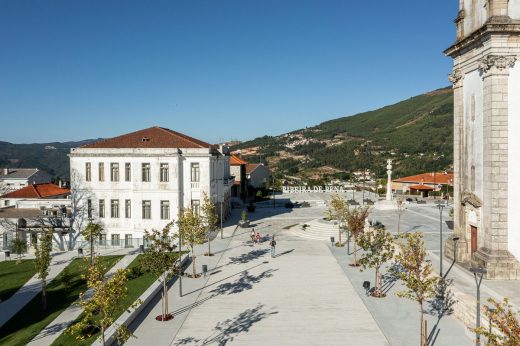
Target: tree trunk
{"x":355,"y":250}
{"x":339,"y":233}
{"x":399,"y":223}
{"x":165,"y":291}
{"x":91,"y":251}
{"x":44,"y":295}
{"x":422,"y":325}
{"x":103,"y":335}
{"x":378,"y":284}
{"x":193,"y":261}
{"x":209,"y":244}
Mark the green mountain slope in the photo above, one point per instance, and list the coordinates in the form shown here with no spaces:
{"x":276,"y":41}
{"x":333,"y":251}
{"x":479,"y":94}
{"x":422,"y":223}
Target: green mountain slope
{"x":50,"y":157}
{"x":416,"y":133}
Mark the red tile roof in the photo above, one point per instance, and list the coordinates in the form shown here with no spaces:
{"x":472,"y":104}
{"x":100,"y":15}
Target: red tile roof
{"x":421,"y":187}
{"x":250,"y":167}
{"x":236,"y":161}
{"x":428,"y":178}
{"x":44,"y":190}
{"x":153,"y":137}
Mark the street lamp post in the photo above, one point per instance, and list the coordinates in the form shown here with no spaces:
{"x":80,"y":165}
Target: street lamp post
{"x":478,"y":273}
{"x":441,"y":207}
{"x":455,"y":240}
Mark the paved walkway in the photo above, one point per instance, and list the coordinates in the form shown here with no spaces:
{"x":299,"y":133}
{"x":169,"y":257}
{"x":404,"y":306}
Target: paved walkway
{"x":69,"y":315}
{"x":299,"y":297}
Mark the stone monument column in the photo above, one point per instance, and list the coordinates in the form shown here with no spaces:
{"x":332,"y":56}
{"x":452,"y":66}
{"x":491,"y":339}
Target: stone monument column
{"x":389,"y":182}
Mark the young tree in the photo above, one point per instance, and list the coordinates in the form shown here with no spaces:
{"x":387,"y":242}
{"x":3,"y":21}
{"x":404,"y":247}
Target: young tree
{"x":99,"y":311}
{"x":192,"y":231}
{"x":338,"y":211}
{"x":356,"y":224}
{"x":209,"y":218}
{"x":18,"y":246}
{"x":379,"y":249}
{"x":505,"y":324}
{"x":417,"y":274}
{"x":159,"y":259}
{"x":42,"y":261}
{"x":400,"y":209}
{"x":91,"y":232}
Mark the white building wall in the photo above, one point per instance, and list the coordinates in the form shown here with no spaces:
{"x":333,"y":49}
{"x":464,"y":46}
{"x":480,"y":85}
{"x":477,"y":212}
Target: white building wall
{"x":473,"y":123}
{"x":514,"y":9}
{"x":179,"y":190}
{"x":476,"y":15}
{"x":514,"y":160}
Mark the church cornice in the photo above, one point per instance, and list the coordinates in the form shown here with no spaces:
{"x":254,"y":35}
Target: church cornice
{"x":493,"y":26}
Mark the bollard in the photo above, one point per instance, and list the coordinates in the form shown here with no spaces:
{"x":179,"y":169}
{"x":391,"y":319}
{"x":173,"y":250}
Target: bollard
{"x":141,"y":247}
{"x":332,"y":241}
{"x":80,"y":251}
{"x":204,"y":269}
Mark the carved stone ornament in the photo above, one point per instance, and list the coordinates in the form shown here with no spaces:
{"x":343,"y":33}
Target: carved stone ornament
{"x":501,"y":62}
{"x":470,"y":198}
{"x":456,"y":77}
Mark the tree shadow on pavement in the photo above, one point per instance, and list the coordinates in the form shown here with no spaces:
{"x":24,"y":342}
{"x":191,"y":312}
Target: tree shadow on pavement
{"x":243,"y":283}
{"x":440,"y":305}
{"x":226,"y":331}
{"x":390,"y":277}
{"x":284,"y":253}
{"x":247,"y":257}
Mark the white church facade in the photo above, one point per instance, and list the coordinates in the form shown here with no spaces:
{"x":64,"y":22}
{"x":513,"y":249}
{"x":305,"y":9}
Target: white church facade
{"x":139,"y":181}
{"x":486,"y":83}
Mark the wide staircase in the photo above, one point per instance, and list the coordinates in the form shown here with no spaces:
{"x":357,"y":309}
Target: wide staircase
{"x":318,"y":229}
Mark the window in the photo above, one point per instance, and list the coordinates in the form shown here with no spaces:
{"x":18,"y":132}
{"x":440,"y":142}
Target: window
{"x":114,"y":208}
{"x":102,"y":239}
{"x":147,"y":210}
{"x":128,"y":175}
{"x":101,"y":171}
{"x":115,"y":239}
{"x":195,"y":172}
{"x":6,"y":203}
{"x":165,"y":210}
{"x":88,"y":171}
{"x":128,"y":208}
{"x":165,"y":175}
{"x":195,"y":205}
{"x":101,"y":208}
{"x":145,"y":171}
{"x":89,"y":208}
{"x":114,"y":172}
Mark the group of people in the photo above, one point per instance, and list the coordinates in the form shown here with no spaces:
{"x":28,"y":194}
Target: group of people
{"x":255,"y":238}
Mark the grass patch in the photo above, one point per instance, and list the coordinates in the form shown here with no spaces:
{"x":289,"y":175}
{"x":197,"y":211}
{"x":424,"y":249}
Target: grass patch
{"x":290,"y":226}
{"x":138,"y":282}
{"x":13,"y":276}
{"x":30,"y":320}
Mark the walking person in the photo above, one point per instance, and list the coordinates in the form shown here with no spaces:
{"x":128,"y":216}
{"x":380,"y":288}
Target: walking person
{"x":252,"y":235}
{"x":258,"y":237}
{"x":273,"y":247}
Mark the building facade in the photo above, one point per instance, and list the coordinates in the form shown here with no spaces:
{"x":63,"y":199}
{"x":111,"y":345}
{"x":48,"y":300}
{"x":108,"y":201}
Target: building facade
{"x":140,"y":181}
{"x":486,"y":84}
{"x":16,"y":178}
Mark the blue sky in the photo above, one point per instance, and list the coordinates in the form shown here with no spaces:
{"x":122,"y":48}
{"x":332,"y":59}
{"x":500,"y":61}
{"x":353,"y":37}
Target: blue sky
{"x":215,"y":69}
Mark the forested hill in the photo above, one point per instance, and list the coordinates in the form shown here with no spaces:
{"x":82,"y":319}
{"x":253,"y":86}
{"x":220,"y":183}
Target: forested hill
{"x":417,"y":133}
{"x":50,"y":157}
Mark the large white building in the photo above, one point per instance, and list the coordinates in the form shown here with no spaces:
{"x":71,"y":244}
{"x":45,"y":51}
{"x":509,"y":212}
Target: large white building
{"x":139,"y":181}
{"x":486,"y":83}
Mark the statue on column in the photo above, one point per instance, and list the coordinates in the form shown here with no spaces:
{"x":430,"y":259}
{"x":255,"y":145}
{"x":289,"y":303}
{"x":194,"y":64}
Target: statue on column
{"x":389,"y":182}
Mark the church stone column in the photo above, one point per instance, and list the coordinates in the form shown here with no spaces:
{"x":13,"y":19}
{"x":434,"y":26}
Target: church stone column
{"x":493,"y":251}
{"x":457,"y":79}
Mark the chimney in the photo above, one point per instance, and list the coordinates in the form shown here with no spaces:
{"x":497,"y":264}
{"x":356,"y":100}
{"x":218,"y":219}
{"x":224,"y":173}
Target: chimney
{"x":59,"y":182}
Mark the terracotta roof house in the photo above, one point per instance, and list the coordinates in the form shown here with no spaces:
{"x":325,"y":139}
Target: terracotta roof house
{"x":424,"y":182}
{"x":238,"y":169}
{"x":34,"y":192}
{"x":141,"y":180}
{"x":257,"y":175}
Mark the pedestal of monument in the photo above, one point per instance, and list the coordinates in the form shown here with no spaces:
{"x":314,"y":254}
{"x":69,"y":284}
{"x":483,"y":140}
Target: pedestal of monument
{"x":499,"y":264}
{"x":385,"y":205}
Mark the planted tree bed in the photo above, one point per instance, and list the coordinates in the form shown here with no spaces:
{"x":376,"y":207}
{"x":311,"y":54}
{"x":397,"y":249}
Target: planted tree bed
{"x":31,"y":319}
{"x":138,"y":283}
{"x":14,"y":276}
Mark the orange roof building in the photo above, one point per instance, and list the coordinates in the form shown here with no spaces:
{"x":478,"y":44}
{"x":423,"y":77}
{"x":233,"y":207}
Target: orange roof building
{"x":423,"y":182}
{"x":38,"y":191}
